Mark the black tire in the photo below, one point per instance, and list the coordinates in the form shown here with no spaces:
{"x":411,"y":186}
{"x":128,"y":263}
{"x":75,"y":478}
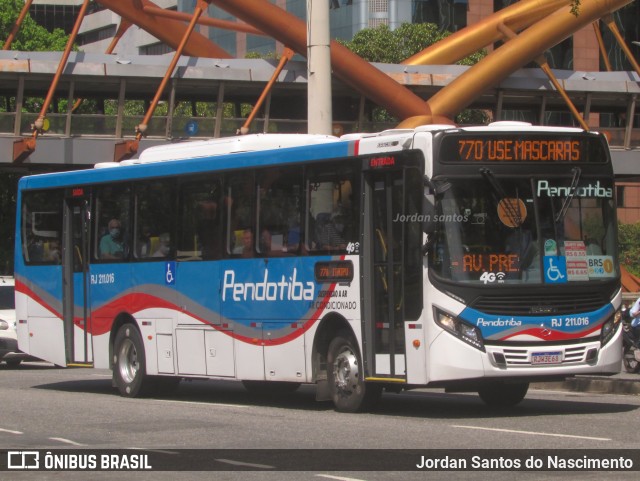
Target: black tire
{"x":629,"y":360}
{"x":345,"y":374}
{"x":13,"y":363}
{"x":129,"y":364}
{"x":500,"y":394}
{"x":270,"y":388}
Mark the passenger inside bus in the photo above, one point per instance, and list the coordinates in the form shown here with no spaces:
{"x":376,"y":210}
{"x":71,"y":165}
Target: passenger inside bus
{"x":54,"y":254}
{"x":112,"y":245}
{"x":164,"y":245}
{"x":247,"y":243}
{"x":265,"y":242}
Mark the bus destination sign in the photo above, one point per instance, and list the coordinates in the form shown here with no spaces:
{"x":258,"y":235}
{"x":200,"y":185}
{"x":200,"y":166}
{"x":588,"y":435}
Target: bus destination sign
{"x":521,"y":148}
{"x":517,"y":150}
{"x":334,"y":271}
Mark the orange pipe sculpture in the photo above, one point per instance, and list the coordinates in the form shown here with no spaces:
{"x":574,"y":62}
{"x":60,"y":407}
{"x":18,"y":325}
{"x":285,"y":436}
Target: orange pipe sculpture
{"x":208,"y":21}
{"x":286,"y":56}
{"x":24,"y":147}
{"x":16,"y":26}
{"x":541,"y":23}
{"x":611,"y":23}
{"x":166,"y":30}
{"x":347,"y":66}
{"x":470,"y":39}
{"x":499,"y":64}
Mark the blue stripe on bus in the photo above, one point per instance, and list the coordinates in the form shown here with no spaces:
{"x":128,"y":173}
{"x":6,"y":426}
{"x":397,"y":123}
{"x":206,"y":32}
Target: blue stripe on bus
{"x":303,"y":154}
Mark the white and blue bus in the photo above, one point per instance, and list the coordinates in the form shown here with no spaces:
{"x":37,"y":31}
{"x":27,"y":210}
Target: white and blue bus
{"x":471,"y":259}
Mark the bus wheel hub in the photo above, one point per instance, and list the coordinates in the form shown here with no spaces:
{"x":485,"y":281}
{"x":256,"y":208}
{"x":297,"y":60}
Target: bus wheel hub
{"x":345,"y":370}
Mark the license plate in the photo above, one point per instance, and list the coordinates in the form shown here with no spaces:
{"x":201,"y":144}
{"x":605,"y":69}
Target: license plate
{"x":546,"y":357}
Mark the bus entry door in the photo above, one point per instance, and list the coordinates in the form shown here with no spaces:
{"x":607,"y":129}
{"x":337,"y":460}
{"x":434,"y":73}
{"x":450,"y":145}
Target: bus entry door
{"x":75,"y":270}
{"x":392,"y":264}
{"x":383,"y":256}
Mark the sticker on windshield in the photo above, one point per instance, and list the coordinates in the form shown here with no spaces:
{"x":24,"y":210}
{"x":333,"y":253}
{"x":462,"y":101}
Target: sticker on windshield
{"x":550,"y":247}
{"x":555,"y":269}
{"x":512,"y":212}
{"x":600,"y":266}
{"x":576,"y":255}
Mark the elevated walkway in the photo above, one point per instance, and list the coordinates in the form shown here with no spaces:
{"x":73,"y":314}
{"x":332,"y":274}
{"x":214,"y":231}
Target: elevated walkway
{"x":211,"y":98}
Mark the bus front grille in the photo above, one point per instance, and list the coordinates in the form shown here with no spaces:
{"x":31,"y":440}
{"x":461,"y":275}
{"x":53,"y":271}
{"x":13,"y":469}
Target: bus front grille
{"x":522,"y":356}
{"x":530,"y":305}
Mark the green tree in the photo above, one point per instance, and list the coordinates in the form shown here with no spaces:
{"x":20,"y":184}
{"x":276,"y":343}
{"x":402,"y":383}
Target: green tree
{"x":381,"y":44}
{"x":31,"y":36}
{"x":629,"y":242}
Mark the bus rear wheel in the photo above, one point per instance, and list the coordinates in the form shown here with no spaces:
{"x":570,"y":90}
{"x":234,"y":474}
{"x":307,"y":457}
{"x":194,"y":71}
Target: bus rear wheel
{"x":502,"y":394}
{"x":345,"y":374}
{"x":129,"y":366}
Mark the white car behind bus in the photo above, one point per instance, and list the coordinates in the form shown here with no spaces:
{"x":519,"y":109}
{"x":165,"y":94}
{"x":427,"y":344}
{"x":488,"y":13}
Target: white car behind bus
{"x":9,"y":352}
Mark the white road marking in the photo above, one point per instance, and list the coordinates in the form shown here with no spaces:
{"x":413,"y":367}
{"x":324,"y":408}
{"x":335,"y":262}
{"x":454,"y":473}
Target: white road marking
{"x":249,"y":465}
{"x":533,"y":433}
{"x":67,"y":441}
{"x":10,"y":431}
{"x":339,"y":478}
{"x":162,"y":451}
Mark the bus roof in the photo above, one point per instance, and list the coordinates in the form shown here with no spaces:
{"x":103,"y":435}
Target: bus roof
{"x":260,"y":150}
{"x":257,"y":150}
{"x":230,"y":145}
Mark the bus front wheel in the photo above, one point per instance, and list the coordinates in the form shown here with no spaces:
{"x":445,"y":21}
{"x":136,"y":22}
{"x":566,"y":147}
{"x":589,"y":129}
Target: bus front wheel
{"x":501,"y":394}
{"x":129,"y":366}
{"x":345,"y":374}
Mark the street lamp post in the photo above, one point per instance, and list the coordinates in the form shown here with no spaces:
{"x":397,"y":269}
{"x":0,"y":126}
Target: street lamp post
{"x":319,"y":113}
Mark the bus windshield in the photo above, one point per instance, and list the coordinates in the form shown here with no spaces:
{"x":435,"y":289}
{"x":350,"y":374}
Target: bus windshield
{"x":536,"y":230}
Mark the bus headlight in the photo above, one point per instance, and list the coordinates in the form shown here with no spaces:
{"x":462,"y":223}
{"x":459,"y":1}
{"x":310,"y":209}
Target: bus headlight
{"x":609,"y":328}
{"x":466,"y":332}
{"x":4,"y":325}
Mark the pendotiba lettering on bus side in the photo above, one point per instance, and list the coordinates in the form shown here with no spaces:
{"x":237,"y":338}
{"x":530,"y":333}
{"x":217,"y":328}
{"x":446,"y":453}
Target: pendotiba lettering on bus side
{"x":284,"y":289}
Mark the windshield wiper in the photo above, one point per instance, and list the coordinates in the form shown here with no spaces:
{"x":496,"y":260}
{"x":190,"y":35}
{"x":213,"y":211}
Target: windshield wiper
{"x":512,"y":211}
{"x":572,"y":193}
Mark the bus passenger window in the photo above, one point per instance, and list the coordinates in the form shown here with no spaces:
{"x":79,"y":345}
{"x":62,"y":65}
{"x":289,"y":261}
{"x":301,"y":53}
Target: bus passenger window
{"x":333,"y":217}
{"x":239,"y":204}
{"x":153,"y":218}
{"x":200,"y":236}
{"x":111,"y":237}
{"x":279,"y":211}
{"x":41,"y":227}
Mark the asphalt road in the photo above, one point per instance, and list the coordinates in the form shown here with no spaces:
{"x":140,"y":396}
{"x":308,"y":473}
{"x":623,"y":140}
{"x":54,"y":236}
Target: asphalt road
{"x":47,"y":408}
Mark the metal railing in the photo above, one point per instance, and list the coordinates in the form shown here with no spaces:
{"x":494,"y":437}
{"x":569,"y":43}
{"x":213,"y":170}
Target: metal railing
{"x":164,"y":127}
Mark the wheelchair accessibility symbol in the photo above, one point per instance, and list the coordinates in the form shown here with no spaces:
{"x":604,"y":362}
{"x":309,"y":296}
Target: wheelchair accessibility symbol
{"x":170,"y":273}
{"x":555,"y":269}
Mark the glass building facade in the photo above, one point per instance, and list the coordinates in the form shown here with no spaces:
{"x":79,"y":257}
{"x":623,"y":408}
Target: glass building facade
{"x":347,"y":17}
